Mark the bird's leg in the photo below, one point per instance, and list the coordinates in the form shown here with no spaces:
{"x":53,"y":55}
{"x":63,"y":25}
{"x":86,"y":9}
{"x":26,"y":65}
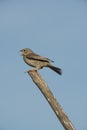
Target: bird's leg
{"x":35,"y":69}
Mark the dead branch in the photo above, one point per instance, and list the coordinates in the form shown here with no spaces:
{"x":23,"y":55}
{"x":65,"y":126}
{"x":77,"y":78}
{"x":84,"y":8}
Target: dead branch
{"x":61,"y":115}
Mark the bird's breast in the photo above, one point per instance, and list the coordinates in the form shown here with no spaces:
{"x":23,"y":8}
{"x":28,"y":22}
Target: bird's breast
{"x":29,"y":61}
{"x":35,"y":63}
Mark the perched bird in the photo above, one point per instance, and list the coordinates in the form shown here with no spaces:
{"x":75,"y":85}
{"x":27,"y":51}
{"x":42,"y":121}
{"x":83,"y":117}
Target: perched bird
{"x":37,"y":61}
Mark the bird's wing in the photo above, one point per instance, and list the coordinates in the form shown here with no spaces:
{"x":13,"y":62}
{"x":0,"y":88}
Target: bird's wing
{"x":34,"y":56}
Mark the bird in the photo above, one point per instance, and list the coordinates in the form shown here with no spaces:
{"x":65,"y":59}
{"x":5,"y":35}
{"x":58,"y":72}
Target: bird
{"x":37,"y":61}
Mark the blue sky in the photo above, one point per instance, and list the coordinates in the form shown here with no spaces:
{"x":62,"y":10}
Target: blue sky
{"x":54,"y":29}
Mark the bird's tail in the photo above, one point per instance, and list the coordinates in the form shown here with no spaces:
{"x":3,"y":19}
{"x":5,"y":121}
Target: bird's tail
{"x":57,"y":70}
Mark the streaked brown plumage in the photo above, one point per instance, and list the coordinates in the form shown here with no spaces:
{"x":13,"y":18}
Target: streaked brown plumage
{"x":38,"y":61}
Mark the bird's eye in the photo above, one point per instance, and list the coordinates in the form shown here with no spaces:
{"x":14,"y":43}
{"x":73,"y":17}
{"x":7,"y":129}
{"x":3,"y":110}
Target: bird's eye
{"x":24,"y":50}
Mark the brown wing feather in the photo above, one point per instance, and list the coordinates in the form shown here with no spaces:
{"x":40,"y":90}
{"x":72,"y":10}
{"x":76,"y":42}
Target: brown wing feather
{"x":38,"y":57}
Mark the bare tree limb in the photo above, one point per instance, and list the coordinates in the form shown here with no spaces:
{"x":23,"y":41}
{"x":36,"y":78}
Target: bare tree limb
{"x":61,"y":115}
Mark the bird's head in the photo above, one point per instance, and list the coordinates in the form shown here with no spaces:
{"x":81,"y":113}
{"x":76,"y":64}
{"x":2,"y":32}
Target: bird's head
{"x":25,"y":51}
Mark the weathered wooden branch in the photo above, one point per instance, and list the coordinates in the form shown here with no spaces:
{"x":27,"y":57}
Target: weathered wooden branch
{"x":61,"y":115}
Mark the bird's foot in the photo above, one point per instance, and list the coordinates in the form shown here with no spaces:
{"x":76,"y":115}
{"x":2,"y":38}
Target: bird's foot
{"x":35,"y":69}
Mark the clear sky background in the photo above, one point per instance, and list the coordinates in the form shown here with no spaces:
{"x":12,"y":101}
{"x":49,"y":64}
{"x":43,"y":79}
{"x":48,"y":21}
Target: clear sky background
{"x":56,"y":29}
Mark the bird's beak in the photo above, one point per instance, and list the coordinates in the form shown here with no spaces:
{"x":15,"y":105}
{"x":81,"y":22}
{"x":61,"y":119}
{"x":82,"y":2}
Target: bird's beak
{"x":21,"y":52}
